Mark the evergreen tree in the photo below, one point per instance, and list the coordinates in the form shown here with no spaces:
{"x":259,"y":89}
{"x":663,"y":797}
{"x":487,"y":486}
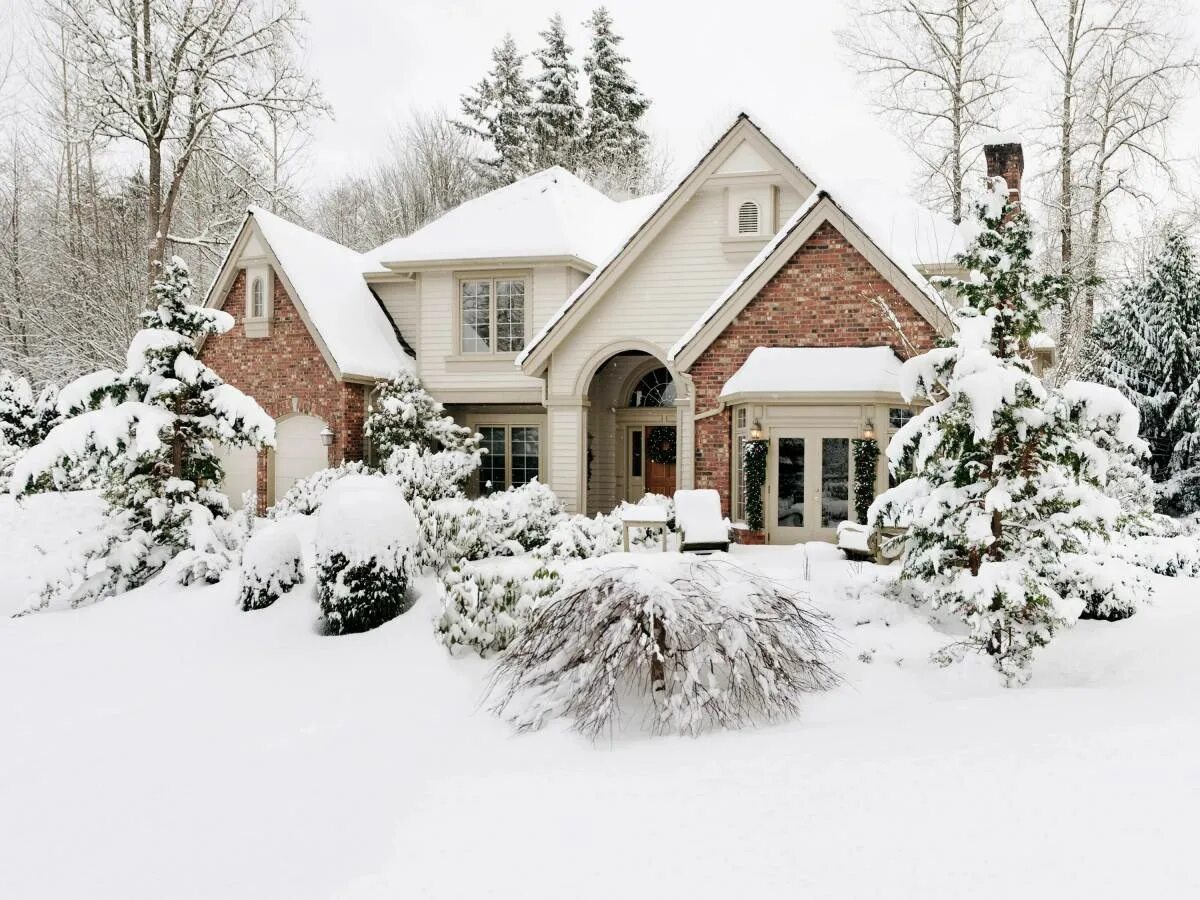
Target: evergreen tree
{"x":556,"y":122}
{"x":614,"y":144}
{"x":25,"y":419}
{"x":1006,"y":501}
{"x":152,"y":435}
{"x":406,"y":415}
{"x":1148,"y":347}
{"x":497,"y":112}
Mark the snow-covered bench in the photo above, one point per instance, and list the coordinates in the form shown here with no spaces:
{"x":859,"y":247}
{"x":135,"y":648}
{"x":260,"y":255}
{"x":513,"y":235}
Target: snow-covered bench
{"x":699,"y":523}
{"x":854,"y":540}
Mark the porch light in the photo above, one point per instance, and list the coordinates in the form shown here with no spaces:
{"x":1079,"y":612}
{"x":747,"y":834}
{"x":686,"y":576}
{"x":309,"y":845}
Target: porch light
{"x":326,"y":436}
{"x":869,"y":430}
{"x":756,"y":431}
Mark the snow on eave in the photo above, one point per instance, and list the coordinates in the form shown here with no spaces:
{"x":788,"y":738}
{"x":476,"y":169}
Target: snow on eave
{"x":620,"y":250}
{"x":783,"y":371}
{"x":327,"y":282}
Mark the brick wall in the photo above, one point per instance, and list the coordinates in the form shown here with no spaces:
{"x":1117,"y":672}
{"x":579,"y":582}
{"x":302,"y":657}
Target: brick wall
{"x":820,"y":298}
{"x":286,"y":373}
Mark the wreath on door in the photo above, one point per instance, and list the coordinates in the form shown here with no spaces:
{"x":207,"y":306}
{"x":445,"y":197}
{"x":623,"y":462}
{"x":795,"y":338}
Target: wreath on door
{"x":661,"y":444}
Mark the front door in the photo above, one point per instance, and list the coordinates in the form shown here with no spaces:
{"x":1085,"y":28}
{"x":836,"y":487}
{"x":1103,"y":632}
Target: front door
{"x":660,"y":460}
{"x":808,"y":485}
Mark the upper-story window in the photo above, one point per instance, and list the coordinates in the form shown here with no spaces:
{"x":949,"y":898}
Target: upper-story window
{"x":258,"y":298}
{"x":748,"y":218}
{"x":492,"y":315}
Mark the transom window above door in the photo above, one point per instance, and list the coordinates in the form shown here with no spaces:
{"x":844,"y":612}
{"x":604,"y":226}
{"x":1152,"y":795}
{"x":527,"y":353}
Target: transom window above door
{"x":491,"y":314}
{"x":656,"y":388}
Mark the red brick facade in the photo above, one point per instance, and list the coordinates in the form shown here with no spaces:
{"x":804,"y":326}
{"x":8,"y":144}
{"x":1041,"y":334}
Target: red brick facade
{"x":821,"y":297}
{"x":286,"y":374}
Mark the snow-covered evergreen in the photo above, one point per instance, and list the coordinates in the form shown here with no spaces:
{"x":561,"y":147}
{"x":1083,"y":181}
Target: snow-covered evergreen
{"x":556,"y":117}
{"x":1007,"y":477}
{"x":1148,"y":347}
{"x":152,"y":435}
{"x":25,"y":417}
{"x":497,"y":111}
{"x":615,"y":145}
{"x":404,"y":414}
{"x":271,"y":566}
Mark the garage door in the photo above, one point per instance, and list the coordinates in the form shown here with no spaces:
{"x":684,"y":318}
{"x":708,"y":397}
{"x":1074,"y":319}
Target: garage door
{"x":298,"y":451}
{"x":240,"y":465}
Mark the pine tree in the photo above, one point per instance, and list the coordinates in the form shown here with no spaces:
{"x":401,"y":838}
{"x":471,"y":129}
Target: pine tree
{"x":406,"y":415}
{"x":497,"y":112}
{"x":614,"y":144}
{"x":152,"y":435}
{"x":1148,"y":347}
{"x":1006,"y":496}
{"x":556,"y":122}
{"x":25,"y":419}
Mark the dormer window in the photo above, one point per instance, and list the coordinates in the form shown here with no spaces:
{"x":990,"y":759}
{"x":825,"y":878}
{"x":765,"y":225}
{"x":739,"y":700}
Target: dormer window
{"x":748,"y":218}
{"x":258,"y":299}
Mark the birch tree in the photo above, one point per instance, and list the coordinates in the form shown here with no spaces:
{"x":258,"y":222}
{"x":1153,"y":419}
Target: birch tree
{"x":937,"y":71}
{"x":179,"y":77}
{"x":1119,"y":76}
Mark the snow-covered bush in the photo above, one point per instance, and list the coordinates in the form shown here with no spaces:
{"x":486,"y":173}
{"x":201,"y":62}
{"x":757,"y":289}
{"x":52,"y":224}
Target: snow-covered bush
{"x":452,"y":529}
{"x":405,"y":415}
{"x":702,"y":642}
{"x":25,"y":417}
{"x":151,"y":432}
{"x":1103,"y":587}
{"x":1176,"y":555}
{"x":429,"y":474}
{"x":522,"y":517}
{"x":305,"y":495}
{"x":214,"y":544}
{"x":366,"y":544}
{"x":581,"y":537}
{"x":1006,"y":477}
{"x":485,"y":605}
{"x":271,"y":566}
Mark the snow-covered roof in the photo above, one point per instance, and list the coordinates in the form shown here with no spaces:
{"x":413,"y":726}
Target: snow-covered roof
{"x":548,"y":214}
{"x":329,"y":284}
{"x":820,"y":370}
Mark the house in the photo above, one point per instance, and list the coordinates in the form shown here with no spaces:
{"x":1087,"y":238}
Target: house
{"x":608,"y":348}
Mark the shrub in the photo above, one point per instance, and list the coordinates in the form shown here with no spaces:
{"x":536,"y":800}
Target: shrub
{"x":707,"y":642}
{"x":1104,"y":588}
{"x":271,"y":566}
{"x":522,"y":517}
{"x":485,"y":607}
{"x":452,"y":529}
{"x":428,"y":474}
{"x":367,"y":539}
{"x":305,"y":496}
{"x":580,"y":537}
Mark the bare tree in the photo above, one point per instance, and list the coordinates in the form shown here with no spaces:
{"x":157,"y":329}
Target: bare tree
{"x":182,"y":78}
{"x":937,"y":70}
{"x":1119,"y":76}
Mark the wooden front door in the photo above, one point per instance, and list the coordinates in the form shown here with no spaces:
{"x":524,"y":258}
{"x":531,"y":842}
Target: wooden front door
{"x":660,"y":476}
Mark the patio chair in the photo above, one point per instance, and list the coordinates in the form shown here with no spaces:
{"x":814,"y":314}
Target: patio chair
{"x":699,"y":523}
{"x":854,"y":540}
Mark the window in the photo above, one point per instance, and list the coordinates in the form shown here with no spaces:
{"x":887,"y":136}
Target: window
{"x":635,"y":453}
{"x":656,"y":388}
{"x":898,"y":417}
{"x":739,"y":480}
{"x":487,"y":326}
{"x":748,"y":218}
{"x":513,"y":456}
{"x":258,"y":299}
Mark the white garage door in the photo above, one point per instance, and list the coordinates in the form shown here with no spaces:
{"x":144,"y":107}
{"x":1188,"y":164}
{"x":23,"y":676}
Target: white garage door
{"x":241,"y":472}
{"x":298,"y":451}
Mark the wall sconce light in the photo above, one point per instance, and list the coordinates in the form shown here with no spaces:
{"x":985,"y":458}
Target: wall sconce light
{"x":869,"y":430}
{"x":756,"y":431}
{"x":326,"y":436}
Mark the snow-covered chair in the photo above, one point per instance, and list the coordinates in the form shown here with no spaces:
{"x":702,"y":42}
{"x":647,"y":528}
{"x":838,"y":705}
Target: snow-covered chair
{"x":855,"y":541}
{"x":699,"y":523}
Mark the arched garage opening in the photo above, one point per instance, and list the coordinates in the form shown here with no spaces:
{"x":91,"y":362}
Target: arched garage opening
{"x":299,"y":451}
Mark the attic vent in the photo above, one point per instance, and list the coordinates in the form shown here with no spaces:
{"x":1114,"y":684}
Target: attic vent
{"x":748,"y":218}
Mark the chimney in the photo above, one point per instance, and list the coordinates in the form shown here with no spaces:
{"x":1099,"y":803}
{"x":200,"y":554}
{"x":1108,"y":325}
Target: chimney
{"x":1006,"y":160}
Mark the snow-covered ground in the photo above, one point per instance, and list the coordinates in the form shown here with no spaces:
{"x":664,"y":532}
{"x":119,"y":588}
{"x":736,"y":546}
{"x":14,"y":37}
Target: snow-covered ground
{"x":165,"y":744}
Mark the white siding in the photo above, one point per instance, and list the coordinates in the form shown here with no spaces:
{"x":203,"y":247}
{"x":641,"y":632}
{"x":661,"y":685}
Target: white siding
{"x":665,"y":290}
{"x":400,"y":300}
{"x":565,"y":430}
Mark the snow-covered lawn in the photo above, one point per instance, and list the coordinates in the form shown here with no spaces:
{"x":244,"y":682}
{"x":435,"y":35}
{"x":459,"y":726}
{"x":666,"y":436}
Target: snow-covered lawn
{"x":165,"y":744}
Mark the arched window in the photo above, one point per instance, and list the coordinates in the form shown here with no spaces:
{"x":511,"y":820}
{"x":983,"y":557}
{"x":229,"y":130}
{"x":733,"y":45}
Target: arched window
{"x":748,"y":218}
{"x":656,"y":388}
{"x":258,"y":299}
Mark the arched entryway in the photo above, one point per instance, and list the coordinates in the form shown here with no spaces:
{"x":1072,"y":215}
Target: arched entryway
{"x":299,"y":450}
{"x":632,"y":430}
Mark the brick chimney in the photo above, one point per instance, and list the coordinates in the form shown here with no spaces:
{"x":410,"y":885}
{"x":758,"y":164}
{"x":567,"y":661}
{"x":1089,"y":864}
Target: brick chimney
{"x":1006,"y":159}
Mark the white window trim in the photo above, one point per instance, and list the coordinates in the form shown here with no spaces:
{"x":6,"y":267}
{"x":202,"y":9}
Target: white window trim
{"x":524,"y":275}
{"x":259,"y":326}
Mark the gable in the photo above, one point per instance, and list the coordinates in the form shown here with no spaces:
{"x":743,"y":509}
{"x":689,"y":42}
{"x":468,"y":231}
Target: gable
{"x":744,"y":160}
{"x":822,"y":296}
{"x":743,"y":138}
